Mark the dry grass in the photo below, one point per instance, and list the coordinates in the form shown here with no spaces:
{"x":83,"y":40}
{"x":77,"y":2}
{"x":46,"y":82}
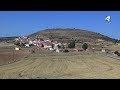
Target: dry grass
{"x":48,"y":65}
{"x":114,"y":47}
{"x":9,"y":55}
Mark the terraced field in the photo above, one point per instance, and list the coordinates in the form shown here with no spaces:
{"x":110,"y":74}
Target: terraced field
{"x":74,"y":65}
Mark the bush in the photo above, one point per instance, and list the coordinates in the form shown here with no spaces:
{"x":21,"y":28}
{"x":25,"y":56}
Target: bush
{"x":66,"y":51}
{"x":59,"y":46}
{"x":116,"y":52}
{"x":31,"y":45}
{"x":85,"y":46}
{"x":71,"y":45}
{"x":32,"y":51}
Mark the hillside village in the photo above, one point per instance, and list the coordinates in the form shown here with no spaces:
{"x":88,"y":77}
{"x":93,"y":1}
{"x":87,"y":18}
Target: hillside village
{"x":45,"y":43}
{"x":56,"y":46}
{"x":58,"y":40}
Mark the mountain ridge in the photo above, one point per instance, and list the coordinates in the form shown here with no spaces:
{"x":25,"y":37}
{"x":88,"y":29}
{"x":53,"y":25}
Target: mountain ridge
{"x":67,"y":34}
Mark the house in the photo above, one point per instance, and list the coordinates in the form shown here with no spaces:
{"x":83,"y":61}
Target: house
{"x":16,"y":39}
{"x":55,"y":46}
{"x":89,"y":49}
{"x":47,"y":44}
{"x":57,"y":50}
{"x":51,"y":49}
{"x":27,"y":45}
{"x":103,"y":50}
{"x":47,"y":40}
{"x":16,"y":48}
{"x":22,"y":40}
{"x":30,"y":42}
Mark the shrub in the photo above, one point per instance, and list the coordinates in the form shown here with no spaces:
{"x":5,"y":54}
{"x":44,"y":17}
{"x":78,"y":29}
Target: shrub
{"x":33,"y":51}
{"x":116,"y":52}
{"x":66,"y":51}
{"x":71,"y":45}
{"x":85,"y":46}
{"x":59,"y":46}
{"x":31,"y":44}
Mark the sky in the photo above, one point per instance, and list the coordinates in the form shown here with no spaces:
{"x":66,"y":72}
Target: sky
{"x":21,"y":23}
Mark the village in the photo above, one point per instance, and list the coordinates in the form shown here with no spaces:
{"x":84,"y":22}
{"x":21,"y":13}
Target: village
{"x":46,"y":43}
{"x":43,"y":43}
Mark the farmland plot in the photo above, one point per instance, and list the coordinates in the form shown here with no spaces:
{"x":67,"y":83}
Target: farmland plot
{"x":73,"y":65}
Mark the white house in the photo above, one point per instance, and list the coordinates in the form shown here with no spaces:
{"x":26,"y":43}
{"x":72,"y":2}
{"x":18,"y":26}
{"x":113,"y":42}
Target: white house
{"x":16,"y":48}
{"x":51,"y":49}
{"x":27,"y":45}
{"x":57,"y":50}
{"x":55,"y":46}
{"x":16,"y":39}
{"x":103,"y":50}
{"x":47,"y":44}
{"x":59,"y":44}
{"x":30,"y":42}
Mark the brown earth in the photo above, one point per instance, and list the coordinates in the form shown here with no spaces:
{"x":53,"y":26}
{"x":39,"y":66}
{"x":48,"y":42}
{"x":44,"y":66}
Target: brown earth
{"x":9,"y":55}
{"x":74,"y":65}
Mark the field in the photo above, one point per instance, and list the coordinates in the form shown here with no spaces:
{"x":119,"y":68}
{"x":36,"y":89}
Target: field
{"x":9,"y":55}
{"x":50,"y":65}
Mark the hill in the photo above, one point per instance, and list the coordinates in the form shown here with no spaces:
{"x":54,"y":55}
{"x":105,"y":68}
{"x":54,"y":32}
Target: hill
{"x":68,"y":34}
{"x":8,"y":39}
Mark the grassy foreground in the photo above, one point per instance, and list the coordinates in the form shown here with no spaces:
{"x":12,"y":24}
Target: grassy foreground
{"x":50,"y":65}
